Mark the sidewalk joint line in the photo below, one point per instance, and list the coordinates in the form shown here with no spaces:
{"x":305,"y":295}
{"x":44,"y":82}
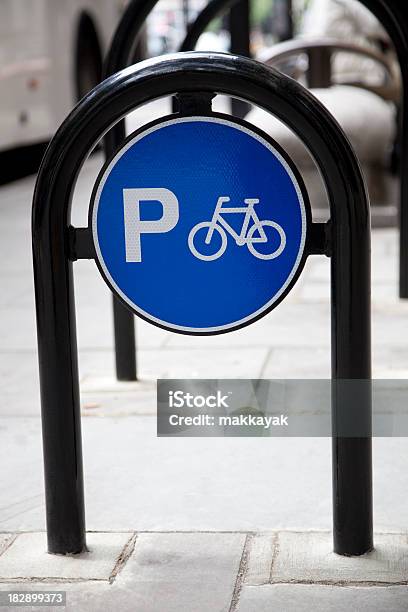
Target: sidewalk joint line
{"x":48,"y":580}
{"x":276,"y":550}
{"x":339,"y":583}
{"x":8,"y":543}
{"x":123,"y":558}
{"x":242,"y":570}
{"x":266,"y":360}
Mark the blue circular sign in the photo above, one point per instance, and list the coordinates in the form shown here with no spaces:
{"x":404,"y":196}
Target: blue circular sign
{"x":199,"y":224}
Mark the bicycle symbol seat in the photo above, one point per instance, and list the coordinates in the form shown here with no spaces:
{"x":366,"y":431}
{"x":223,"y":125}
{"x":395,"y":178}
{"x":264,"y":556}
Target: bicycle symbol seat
{"x":247,"y":235}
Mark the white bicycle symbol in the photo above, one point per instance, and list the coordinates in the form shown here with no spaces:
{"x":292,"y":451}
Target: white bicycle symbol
{"x":221,"y":226}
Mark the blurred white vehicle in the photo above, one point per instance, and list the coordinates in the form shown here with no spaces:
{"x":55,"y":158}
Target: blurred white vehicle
{"x":50,"y":55}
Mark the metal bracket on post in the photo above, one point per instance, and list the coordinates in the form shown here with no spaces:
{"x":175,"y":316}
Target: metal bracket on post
{"x":319,"y":241}
{"x":81,"y":245}
{"x":193,"y":103}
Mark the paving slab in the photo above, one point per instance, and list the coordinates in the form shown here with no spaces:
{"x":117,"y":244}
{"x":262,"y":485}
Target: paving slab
{"x":184,"y":363}
{"x":304,"y":598}
{"x":308,"y":557}
{"x":27,"y":558}
{"x":133,"y":480}
{"x":17,"y":290}
{"x":201,"y":484}
{"x":19,"y":384}
{"x":305,"y":363}
{"x":105,"y":396}
{"x":17,"y":328}
{"x":166,"y":573}
{"x":173,"y":572}
{"x":170,"y":572}
{"x":284,"y":326}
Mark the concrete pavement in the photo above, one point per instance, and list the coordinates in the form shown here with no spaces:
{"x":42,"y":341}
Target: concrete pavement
{"x":234,"y":488}
{"x":208,"y":572}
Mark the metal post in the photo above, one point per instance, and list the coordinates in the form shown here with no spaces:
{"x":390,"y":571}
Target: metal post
{"x":125,"y":341}
{"x":240,"y":32}
{"x":403,"y":273}
{"x":319,"y":69}
{"x":401,"y":44}
{"x":393,"y":15}
{"x":239,"y":22}
{"x":351,"y":360}
{"x":283,"y":21}
{"x":186,"y":13}
{"x":125,"y":48}
{"x":123,"y":319}
{"x":58,"y":363}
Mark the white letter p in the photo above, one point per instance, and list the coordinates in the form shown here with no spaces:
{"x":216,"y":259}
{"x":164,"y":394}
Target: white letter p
{"x":134,"y":226}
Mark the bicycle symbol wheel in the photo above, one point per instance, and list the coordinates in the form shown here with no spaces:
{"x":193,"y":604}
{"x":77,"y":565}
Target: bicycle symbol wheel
{"x":213,"y":241}
{"x":251,"y":244}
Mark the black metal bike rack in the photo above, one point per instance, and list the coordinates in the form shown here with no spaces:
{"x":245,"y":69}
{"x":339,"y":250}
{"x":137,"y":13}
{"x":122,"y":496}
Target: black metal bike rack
{"x":194,"y":77}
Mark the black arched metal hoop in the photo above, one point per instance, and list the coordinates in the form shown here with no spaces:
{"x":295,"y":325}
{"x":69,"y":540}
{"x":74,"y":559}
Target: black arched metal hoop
{"x":56,"y":244}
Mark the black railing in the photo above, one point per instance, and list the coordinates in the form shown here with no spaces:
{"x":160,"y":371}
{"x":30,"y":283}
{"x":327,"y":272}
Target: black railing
{"x":56,"y":245}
